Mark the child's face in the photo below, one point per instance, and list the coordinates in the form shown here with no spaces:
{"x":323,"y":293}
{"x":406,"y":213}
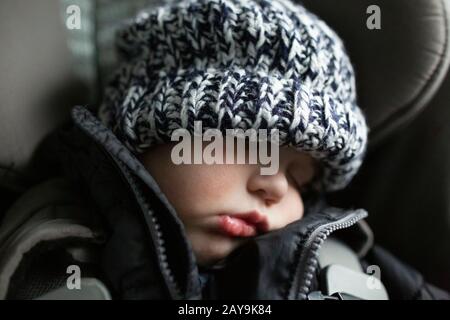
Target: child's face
{"x":222,"y":205}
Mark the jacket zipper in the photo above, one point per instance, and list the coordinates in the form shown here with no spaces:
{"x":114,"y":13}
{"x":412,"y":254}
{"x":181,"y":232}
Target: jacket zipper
{"x":153,"y":226}
{"x":156,"y":234}
{"x":308,"y":260}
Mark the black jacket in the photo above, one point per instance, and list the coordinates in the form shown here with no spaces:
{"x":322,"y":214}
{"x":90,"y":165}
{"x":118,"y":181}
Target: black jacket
{"x":146,"y":254}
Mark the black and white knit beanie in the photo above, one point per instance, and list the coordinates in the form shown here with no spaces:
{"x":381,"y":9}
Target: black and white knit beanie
{"x":238,"y":64}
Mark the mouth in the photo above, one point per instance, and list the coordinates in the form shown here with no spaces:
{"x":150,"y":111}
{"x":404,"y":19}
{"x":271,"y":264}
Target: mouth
{"x":247,"y":224}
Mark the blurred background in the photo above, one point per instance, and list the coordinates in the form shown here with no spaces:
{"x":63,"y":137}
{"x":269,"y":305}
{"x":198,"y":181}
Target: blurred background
{"x":48,"y":64}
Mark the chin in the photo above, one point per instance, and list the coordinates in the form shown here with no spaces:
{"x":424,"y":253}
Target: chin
{"x":215,"y":251}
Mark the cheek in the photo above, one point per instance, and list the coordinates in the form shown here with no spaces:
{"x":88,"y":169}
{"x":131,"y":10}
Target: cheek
{"x":290,"y":209}
{"x":198,"y":190}
{"x":207,"y":181}
{"x":210,"y":248}
{"x":295,"y":202}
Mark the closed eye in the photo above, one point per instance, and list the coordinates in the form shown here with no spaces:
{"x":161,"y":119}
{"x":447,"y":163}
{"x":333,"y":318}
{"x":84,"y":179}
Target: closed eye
{"x":294,"y":181}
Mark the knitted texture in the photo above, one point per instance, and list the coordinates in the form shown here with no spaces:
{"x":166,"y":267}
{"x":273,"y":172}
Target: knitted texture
{"x":238,"y":64}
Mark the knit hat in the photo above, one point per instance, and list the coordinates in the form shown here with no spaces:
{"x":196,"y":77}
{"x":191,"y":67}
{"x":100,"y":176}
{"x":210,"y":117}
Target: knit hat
{"x":238,"y":64}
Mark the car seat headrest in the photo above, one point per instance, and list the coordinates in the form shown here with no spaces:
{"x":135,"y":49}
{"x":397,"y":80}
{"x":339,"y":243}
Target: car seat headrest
{"x":398,"y":67}
{"x":37,"y":83}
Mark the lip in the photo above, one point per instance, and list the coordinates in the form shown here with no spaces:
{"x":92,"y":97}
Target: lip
{"x":246,"y":224}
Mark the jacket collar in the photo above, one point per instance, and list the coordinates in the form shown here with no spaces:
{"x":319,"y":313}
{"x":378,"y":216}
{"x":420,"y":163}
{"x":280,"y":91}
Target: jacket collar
{"x":163,"y":230}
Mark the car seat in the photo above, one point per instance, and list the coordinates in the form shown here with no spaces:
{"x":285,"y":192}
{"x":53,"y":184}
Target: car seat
{"x":403,"y":88}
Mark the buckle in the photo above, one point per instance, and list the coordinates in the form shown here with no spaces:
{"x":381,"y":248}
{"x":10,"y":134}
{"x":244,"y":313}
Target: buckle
{"x":317,"y":295}
{"x":346,"y":284}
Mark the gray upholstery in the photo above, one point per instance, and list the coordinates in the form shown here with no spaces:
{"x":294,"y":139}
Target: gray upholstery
{"x":37,"y":84}
{"x":405,"y":186}
{"x":399,"y":67}
{"x":90,"y":289}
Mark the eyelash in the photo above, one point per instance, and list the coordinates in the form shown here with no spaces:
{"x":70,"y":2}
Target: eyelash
{"x":296,"y":184}
{"x":304,"y":189}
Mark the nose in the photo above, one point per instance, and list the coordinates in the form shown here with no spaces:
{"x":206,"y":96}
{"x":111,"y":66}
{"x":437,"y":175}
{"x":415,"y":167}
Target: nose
{"x":270,"y":188}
